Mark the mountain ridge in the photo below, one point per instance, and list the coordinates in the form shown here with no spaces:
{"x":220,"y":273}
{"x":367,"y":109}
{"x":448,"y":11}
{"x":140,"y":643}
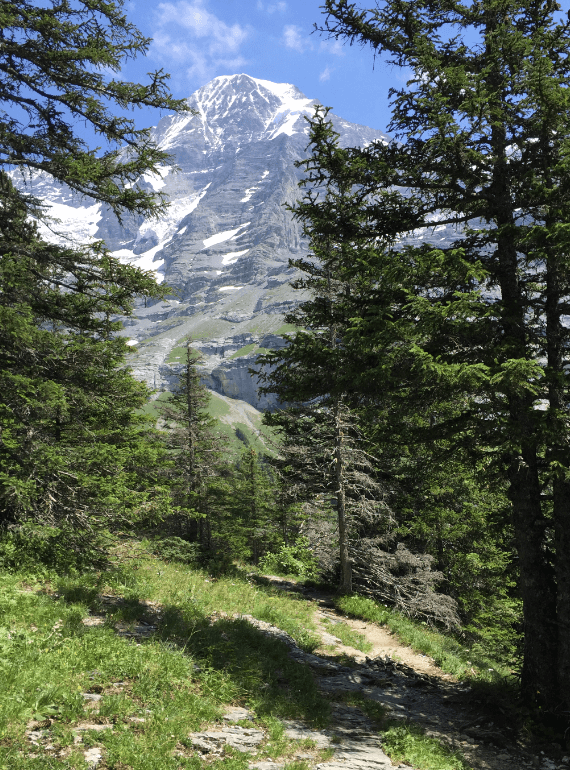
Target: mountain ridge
{"x":225,"y":243}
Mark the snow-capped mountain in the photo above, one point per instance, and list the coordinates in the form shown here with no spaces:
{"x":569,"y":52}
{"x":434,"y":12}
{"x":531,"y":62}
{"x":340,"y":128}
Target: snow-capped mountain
{"x":225,"y":242}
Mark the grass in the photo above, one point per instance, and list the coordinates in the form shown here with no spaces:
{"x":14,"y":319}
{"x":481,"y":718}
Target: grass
{"x":49,"y":659}
{"x":287,"y":329}
{"x":150,"y":408}
{"x":178,"y":353}
{"x":246,"y":350}
{"x":407,"y":743}
{"x":155,"y":690}
{"x":217,"y":407}
{"x":253,"y":347}
{"x":447,"y":653}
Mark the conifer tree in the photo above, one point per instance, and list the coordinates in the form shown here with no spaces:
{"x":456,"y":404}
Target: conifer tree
{"x":253,"y":507}
{"x":67,"y":422}
{"x":481,"y":148}
{"x":195,"y":448}
{"x":55,"y":63}
{"x":321,"y":442}
{"x":70,"y":443}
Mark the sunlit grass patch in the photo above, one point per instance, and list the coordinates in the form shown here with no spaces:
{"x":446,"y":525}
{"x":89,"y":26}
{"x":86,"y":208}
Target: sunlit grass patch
{"x":348,"y":635}
{"x":50,"y":661}
{"x":148,"y":692}
{"x":407,"y":743}
{"x":202,"y":615}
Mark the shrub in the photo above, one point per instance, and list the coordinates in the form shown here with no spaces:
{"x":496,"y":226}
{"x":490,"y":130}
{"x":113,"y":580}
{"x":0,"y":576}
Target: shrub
{"x":294,"y":559}
{"x":177,"y":549}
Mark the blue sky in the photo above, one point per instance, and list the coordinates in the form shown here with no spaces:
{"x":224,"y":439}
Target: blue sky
{"x":196,"y":40}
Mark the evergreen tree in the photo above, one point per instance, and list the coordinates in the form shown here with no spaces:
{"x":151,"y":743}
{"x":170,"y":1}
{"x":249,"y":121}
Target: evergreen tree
{"x":55,"y":64}
{"x":253,"y":507}
{"x":482,"y":146}
{"x":321,"y":443}
{"x":195,"y":449}
{"x":321,"y":462}
{"x":69,"y":439}
{"x":70,"y":444}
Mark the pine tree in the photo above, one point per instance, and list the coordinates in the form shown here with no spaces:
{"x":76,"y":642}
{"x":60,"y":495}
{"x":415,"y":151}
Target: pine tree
{"x":70,"y":443}
{"x":482,"y":146}
{"x":253,"y":505}
{"x":321,"y":443}
{"x":69,"y":438}
{"x":55,"y":65}
{"x":195,"y":447}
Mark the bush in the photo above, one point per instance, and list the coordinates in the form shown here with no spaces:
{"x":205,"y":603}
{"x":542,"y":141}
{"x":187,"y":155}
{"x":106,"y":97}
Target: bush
{"x":39,"y":547}
{"x":177,"y":549}
{"x":294,"y":559}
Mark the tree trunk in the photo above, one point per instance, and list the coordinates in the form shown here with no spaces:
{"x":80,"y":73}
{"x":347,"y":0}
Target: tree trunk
{"x":536,"y":583}
{"x":345,"y":562}
{"x":558,"y":458}
{"x":562,"y":562}
{"x":536,"y":578}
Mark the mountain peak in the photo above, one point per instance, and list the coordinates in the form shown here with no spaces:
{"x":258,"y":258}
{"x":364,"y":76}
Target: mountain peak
{"x":238,"y":109}
{"x":283,"y":91}
{"x":225,"y":242}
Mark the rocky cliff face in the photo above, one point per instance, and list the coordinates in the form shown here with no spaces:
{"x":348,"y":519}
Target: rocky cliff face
{"x":225,"y":243}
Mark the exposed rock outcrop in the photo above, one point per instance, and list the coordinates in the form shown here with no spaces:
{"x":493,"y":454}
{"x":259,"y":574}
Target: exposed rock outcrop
{"x":225,"y":243}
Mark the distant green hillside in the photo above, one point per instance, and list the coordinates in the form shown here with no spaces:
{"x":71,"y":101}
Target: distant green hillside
{"x":237,"y":420}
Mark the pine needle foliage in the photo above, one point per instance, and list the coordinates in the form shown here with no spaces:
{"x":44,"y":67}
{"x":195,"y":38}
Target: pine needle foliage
{"x":481,"y":147}
{"x":55,"y":64}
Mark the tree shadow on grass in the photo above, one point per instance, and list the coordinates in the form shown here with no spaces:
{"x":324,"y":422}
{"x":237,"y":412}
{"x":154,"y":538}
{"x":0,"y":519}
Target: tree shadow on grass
{"x":258,"y":665}
{"x":234,"y":660}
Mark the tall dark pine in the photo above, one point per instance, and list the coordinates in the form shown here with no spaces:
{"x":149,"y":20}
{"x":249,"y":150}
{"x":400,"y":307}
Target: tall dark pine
{"x":314,"y":374}
{"x":482,"y":150}
{"x":71,"y":446}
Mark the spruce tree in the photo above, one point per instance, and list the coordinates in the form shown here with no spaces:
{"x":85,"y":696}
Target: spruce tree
{"x":69,"y":436}
{"x":73,"y":454}
{"x":253,"y":507}
{"x":195,"y":448}
{"x":321,"y":443}
{"x":56,"y":60}
{"x":481,"y":147}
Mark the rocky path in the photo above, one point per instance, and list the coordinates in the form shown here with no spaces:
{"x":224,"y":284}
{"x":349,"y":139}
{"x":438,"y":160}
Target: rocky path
{"x":411,"y":689}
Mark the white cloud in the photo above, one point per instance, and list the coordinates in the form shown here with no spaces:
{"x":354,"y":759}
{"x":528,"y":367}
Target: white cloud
{"x":332,"y":46}
{"x":325,"y":74}
{"x":190,"y":35}
{"x":293,"y":38}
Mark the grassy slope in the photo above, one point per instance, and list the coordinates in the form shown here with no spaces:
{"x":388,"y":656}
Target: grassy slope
{"x":157,"y":690}
{"x":238,"y":433}
{"x":176,"y":680}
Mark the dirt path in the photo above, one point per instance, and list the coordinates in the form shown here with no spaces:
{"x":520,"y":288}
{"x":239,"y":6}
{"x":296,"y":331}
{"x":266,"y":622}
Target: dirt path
{"x":407,"y":686}
{"x":384,"y":644}
{"x":412,"y":688}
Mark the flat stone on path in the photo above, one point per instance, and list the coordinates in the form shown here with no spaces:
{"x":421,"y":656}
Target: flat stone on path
{"x":240,"y":738}
{"x":236,"y":714}
{"x":299,"y":731}
{"x":93,"y":756}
